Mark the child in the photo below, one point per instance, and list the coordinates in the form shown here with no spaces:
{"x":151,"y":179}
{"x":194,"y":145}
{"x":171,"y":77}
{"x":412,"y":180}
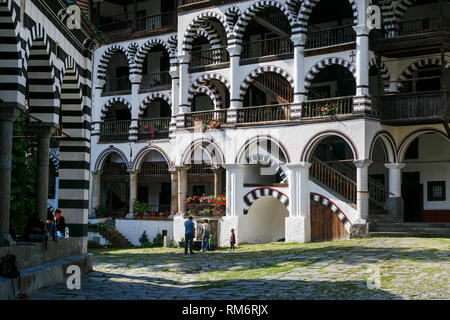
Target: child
{"x":210,"y":242}
{"x":232,"y":240}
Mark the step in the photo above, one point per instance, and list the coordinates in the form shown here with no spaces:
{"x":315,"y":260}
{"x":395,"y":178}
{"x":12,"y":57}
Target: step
{"x":409,"y":225}
{"x":407,"y":234}
{"x":414,"y":230}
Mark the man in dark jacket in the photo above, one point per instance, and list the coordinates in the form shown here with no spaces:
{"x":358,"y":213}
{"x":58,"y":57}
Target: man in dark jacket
{"x":188,"y":235}
{"x":60,"y":223}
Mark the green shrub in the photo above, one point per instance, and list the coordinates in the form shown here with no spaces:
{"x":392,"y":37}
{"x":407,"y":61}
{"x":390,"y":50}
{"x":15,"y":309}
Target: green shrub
{"x":158,"y":241}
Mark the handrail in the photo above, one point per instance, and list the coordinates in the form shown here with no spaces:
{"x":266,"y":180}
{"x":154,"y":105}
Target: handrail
{"x":324,"y":37}
{"x":191,"y":117}
{"x":275,"y":112}
{"x":267,"y":47}
{"x":209,"y":56}
{"x":115,"y":127}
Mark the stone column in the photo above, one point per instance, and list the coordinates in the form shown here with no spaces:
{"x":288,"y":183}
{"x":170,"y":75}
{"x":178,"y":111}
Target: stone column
{"x":218,"y":189}
{"x":299,"y":75}
{"x":184,"y":106}
{"x":174,"y":190}
{"x":182,"y":186}
{"x":235,"y":95}
{"x":395,"y":204}
{"x":298,"y":224}
{"x":175,"y":95}
{"x":96,"y":188}
{"x":135,"y":80}
{"x":360,"y":227}
{"x":133,"y":191}
{"x":43,"y":134}
{"x":7,"y":116}
{"x":362,"y":101}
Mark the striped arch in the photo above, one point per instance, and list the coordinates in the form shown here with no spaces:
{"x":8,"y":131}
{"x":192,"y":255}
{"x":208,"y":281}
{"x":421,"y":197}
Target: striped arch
{"x":106,"y":57}
{"x":173,"y":44}
{"x":308,"y":6}
{"x":401,"y":8}
{"x":153,"y":96}
{"x":211,"y":92}
{"x":197,"y":23}
{"x":388,"y":143}
{"x":385,"y":75}
{"x":12,"y":81}
{"x":202,"y":81}
{"x":314,"y":141}
{"x":406,"y":141}
{"x":98,"y":166}
{"x":255,"y":194}
{"x":42,"y":88}
{"x":275,"y":163}
{"x":112,"y":101}
{"x":322,"y":64}
{"x":55,"y":160}
{"x":292,"y":5}
{"x":413,"y":67}
{"x":252,"y":10}
{"x":333,"y":207}
{"x":132,"y":49}
{"x":140,"y":156}
{"x":211,"y":148}
{"x":260,"y":70}
{"x":231,"y":13}
{"x":72,"y":104}
{"x":143,"y":52}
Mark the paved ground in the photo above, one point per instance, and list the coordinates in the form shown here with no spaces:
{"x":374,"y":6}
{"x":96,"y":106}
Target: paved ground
{"x":377,"y":268}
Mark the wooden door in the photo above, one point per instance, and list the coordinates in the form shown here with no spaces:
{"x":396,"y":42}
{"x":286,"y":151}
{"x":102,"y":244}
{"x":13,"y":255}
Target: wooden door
{"x":325,"y":225}
{"x":412,"y":194}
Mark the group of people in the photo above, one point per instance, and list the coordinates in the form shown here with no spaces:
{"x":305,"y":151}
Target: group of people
{"x":56,"y":224}
{"x":207,"y":237}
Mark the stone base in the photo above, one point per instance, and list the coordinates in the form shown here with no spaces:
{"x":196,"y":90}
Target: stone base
{"x":225,"y":226}
{"x":298,"y":229}
{"x":45,"y":275}
{"x":359,"y":229}
{"x":395,"y":208}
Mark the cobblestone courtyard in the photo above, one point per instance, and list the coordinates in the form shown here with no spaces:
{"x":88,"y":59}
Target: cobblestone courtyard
{"x":397,"y":268}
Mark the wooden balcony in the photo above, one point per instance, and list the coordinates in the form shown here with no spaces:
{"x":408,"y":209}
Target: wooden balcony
{"x":155,"y":128}
{"x":209,"y":59}
{"x":410,"y":38}
{"x":327,"y":107}
{"x":114,"y":130}
{"x":154,"y":169}
{"x":272,"y":49}
{"x":115,"y":169}
{"x":279,"y":112}
{"x":117,"y":86}
{"x":156,"y":81}
{"x":325,"y":37}
{"x":191,"y":118}
{"x":413,"y":108}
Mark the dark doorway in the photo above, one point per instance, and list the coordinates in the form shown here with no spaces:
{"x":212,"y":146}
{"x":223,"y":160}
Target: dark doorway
{"x":412,"y":194}
{"x":143,"y":194}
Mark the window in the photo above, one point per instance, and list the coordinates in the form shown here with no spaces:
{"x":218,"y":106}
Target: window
{"x":436,"y":191}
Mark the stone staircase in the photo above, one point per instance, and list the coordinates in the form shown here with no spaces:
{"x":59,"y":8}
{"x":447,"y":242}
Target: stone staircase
{"x":410,"y":229}
{"x":110,"y":233}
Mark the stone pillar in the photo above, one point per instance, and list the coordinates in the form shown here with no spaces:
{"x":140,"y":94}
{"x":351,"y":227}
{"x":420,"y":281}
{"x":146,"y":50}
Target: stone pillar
{"x":235,"y":94}
{"x":299,"y":75}
{"x":298,"y":224}
{"x":7,"y":116}
{"x":133,"y":191}
{"x":362,"y":101}
{"x":135,"y":80}
{"x":234,"y":189}
{"x":182,"y":186}
{"x":360,"y":227}
{"x":218,"y":188}
{"x":184,"y":106}
{"x":43,"y":134}
{"x":174,"y":190}
{"x":175,"y":95}
{"x":395,"y":204}
{"x":96,"y":188}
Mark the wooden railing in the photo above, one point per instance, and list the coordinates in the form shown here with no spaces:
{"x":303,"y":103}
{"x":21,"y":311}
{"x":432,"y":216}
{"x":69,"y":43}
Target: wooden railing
{"x":115,"y":169}
{"x":190,"y":118}
{"x":117,"y":84}
{"x":154,"y":128}
{"x":417,"y":26}
{"x":205,"y":210}
{"x":156,"y":80}
{"x":117,"y":23}
{"x":277,"y":112}
{"x":162,"y":20}
{"x":209,"y":57}
{"x":154,"y":169}
{"x":327,"y":107}
{"x":108,"y":128}
{"x":277,"y":20}
{"x":277,"y":85}
{"x":333,"y":179}
{"x":267,"y":47}
{"x":324,"y":37}
{"x":415,"y":107}
{"x":202,"y":169}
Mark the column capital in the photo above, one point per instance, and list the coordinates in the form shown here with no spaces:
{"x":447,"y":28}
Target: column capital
{"x":363,"y":163}
{"x":299,"y":39}
{"x":182,"y":167}
{"x":131,"y":171}
{"x":217,"y":169}
{"x":44,"y":131}
{"x":184,"y":58}
{"x":232,"y":166}
{"x":234,"y":49}
{"x":97,"y":173}
{"x":172,"y":170}
{"x":298,"y":165}
{"x":398,"y":166}
{"x":361,"y":30}
{"x":135,"y":78}
{"x":9,"y":111}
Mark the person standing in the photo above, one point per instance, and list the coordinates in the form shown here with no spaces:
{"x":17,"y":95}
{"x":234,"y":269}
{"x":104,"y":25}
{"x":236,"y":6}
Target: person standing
{"x":188,"y":235}
{"x":232,"y":240}
{"x":205,"y":239}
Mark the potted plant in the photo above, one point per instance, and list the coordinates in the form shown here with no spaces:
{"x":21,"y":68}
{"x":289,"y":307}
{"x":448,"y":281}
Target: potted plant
{"x":140,"y":208}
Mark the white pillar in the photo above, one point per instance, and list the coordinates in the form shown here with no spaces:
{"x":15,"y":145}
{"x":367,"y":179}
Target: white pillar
{"x":174,"y":74}
{"x":299,"y":41}
{"x":362,"y":189}
{"x":133,"y":190}
{"x":234,"y":189}
{"x":217,"y":180}
{"x":298,"y":224}
{"x":96,"y":188}
{"x":182,"y":186}
{"x":395,"y":179}
{"x":362,"y":102}
{"x":183,"y":61}
{"x":174,"y":190}
{"x":135,"y":80}
{"x":235,"y":56}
